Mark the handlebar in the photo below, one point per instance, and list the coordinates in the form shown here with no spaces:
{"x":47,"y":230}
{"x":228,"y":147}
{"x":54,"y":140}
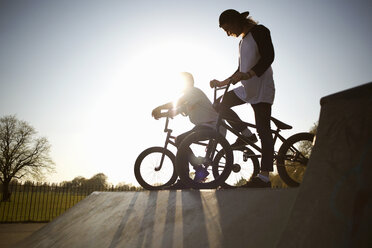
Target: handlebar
{"x":226,"y":88}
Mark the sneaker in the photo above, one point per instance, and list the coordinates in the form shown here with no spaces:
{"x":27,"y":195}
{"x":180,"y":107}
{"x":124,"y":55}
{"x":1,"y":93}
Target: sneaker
{"x":178,"y":185}
{"x":256,"y":182}
{"x":240,"y":143}
{"x":201,"y":174}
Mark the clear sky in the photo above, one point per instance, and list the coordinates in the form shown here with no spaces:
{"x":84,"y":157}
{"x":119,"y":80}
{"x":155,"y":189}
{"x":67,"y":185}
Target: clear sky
{"x":87,"y":74}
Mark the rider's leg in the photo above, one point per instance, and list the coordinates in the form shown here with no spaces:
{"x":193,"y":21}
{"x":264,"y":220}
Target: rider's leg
{"x":200,"y":172}
{"x":262,"y":113}
{"x":230,"y":100}
{"x":181,"y":137}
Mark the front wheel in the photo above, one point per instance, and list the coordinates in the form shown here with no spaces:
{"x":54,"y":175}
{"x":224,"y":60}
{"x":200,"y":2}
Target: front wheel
{"x":149,"y":171}
{"x":196,"y":155}
{"x":293,"y":156}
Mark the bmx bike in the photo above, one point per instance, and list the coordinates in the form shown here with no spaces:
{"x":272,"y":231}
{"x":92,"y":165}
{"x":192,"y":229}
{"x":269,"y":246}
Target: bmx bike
{"x":155,"y":167}
{"x":229,"y":165}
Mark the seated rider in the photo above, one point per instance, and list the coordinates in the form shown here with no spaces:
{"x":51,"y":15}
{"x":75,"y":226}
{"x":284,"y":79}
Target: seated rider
{"x":199,"y":108}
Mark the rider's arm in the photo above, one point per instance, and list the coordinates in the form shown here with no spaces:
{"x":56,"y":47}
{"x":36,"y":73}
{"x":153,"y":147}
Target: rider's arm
{"x":262,"y":36}
{"x":187,"y":102}
{"x":228,"y":80}
{"x":216,"y":83}
{"x":156,"y":112}
{"x":181,"y":106}
{"x":168,"y":105}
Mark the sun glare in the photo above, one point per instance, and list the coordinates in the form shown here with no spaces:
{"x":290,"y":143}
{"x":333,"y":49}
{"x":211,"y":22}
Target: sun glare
{"x":151,"y":78}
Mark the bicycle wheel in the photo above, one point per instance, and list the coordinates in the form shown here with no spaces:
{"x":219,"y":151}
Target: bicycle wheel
{"x":293,"y":156}
{"x":147,"y":171}
{"x":245,"y":166}
{"x":198,"y":150}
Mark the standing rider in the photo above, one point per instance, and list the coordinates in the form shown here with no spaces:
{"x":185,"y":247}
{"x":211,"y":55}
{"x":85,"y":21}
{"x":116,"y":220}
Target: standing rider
{"x":256,"y":54}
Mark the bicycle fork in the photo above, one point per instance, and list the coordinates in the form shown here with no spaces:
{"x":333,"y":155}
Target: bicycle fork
{"x":167,"y":141}
{"x":210,"y":151}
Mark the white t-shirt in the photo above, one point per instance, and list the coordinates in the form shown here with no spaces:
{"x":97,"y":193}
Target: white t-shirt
{"x":200,"y":108}
{"x":256,"y":89}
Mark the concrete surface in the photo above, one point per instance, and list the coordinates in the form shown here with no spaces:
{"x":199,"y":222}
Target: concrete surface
{"x":189,"y":218}
{"x":10,"y":234}
{"x":331,"y":208}
{"x":334,"y":204}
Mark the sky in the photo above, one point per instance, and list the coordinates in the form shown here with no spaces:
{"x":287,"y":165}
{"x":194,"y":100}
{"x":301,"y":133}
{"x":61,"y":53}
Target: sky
{"x":87,"y":74}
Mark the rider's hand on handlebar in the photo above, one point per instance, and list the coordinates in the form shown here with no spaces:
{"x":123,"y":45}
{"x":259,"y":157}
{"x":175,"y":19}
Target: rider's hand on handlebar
{"x":239,"y":76}
{"x":156,"y":113}
{"x":214,"y":83}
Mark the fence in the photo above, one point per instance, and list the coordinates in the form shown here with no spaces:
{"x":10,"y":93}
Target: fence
{"x":44,"y":202}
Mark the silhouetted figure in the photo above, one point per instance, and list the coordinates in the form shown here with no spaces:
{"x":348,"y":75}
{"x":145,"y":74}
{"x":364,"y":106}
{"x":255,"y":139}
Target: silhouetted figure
{"x":195,"y":104}
{"x":256,"y":54}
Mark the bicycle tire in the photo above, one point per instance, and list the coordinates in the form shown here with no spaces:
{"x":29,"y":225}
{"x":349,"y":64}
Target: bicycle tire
{"x":193,"y":141}
{"x":168,"y":168}
{"x":244,"y":168}
{"x":293,"y":156}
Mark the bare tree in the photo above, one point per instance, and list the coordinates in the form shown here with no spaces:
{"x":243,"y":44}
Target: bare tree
{"x":22,"y":154}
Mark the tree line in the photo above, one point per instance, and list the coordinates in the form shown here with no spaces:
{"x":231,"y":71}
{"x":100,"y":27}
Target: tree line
{"x":98,"y":181}
{"x":25,"y":156}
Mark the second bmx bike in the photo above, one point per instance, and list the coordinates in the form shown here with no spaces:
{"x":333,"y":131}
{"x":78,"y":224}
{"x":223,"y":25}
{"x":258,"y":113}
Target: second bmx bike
{"x":227,"y":166}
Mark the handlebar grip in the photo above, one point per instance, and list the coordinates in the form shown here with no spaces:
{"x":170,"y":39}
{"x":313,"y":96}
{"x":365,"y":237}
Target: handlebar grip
{"x":164,"y":114}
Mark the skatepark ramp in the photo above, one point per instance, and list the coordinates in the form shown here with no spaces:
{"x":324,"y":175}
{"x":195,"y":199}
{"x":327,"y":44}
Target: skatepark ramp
{"x":188,"y":218}
{"x":331,"y":208}
{"x":334,"y":203}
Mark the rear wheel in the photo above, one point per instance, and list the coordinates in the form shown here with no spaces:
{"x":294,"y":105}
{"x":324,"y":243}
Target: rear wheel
{"x":198,"y":151}
{"x":245,"y":166}
{"x":293,"y":156}
{"x":147,"y":168}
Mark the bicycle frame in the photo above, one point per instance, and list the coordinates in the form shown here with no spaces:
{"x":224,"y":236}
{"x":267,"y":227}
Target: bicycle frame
{"x":250,"y":143}
{"x":240,"y":136}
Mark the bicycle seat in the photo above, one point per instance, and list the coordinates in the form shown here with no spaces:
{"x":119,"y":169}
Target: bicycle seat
{"x":280,"y":125}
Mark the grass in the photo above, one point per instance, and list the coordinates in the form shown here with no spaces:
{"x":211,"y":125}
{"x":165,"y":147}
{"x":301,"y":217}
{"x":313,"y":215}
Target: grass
{"x":37,"y":206}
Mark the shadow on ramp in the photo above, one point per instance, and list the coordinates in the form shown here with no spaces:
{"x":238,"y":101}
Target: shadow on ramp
{"x":191,"y":218}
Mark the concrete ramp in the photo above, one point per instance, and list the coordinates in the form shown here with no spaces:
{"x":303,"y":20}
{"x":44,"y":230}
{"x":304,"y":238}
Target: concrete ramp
{"x":334,"y":203}
{"x":189,"y":218}
{"x":331,"y":208}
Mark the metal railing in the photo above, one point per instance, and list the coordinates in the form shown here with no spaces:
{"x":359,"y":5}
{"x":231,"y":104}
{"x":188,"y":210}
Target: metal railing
{"x":35,"y":202}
